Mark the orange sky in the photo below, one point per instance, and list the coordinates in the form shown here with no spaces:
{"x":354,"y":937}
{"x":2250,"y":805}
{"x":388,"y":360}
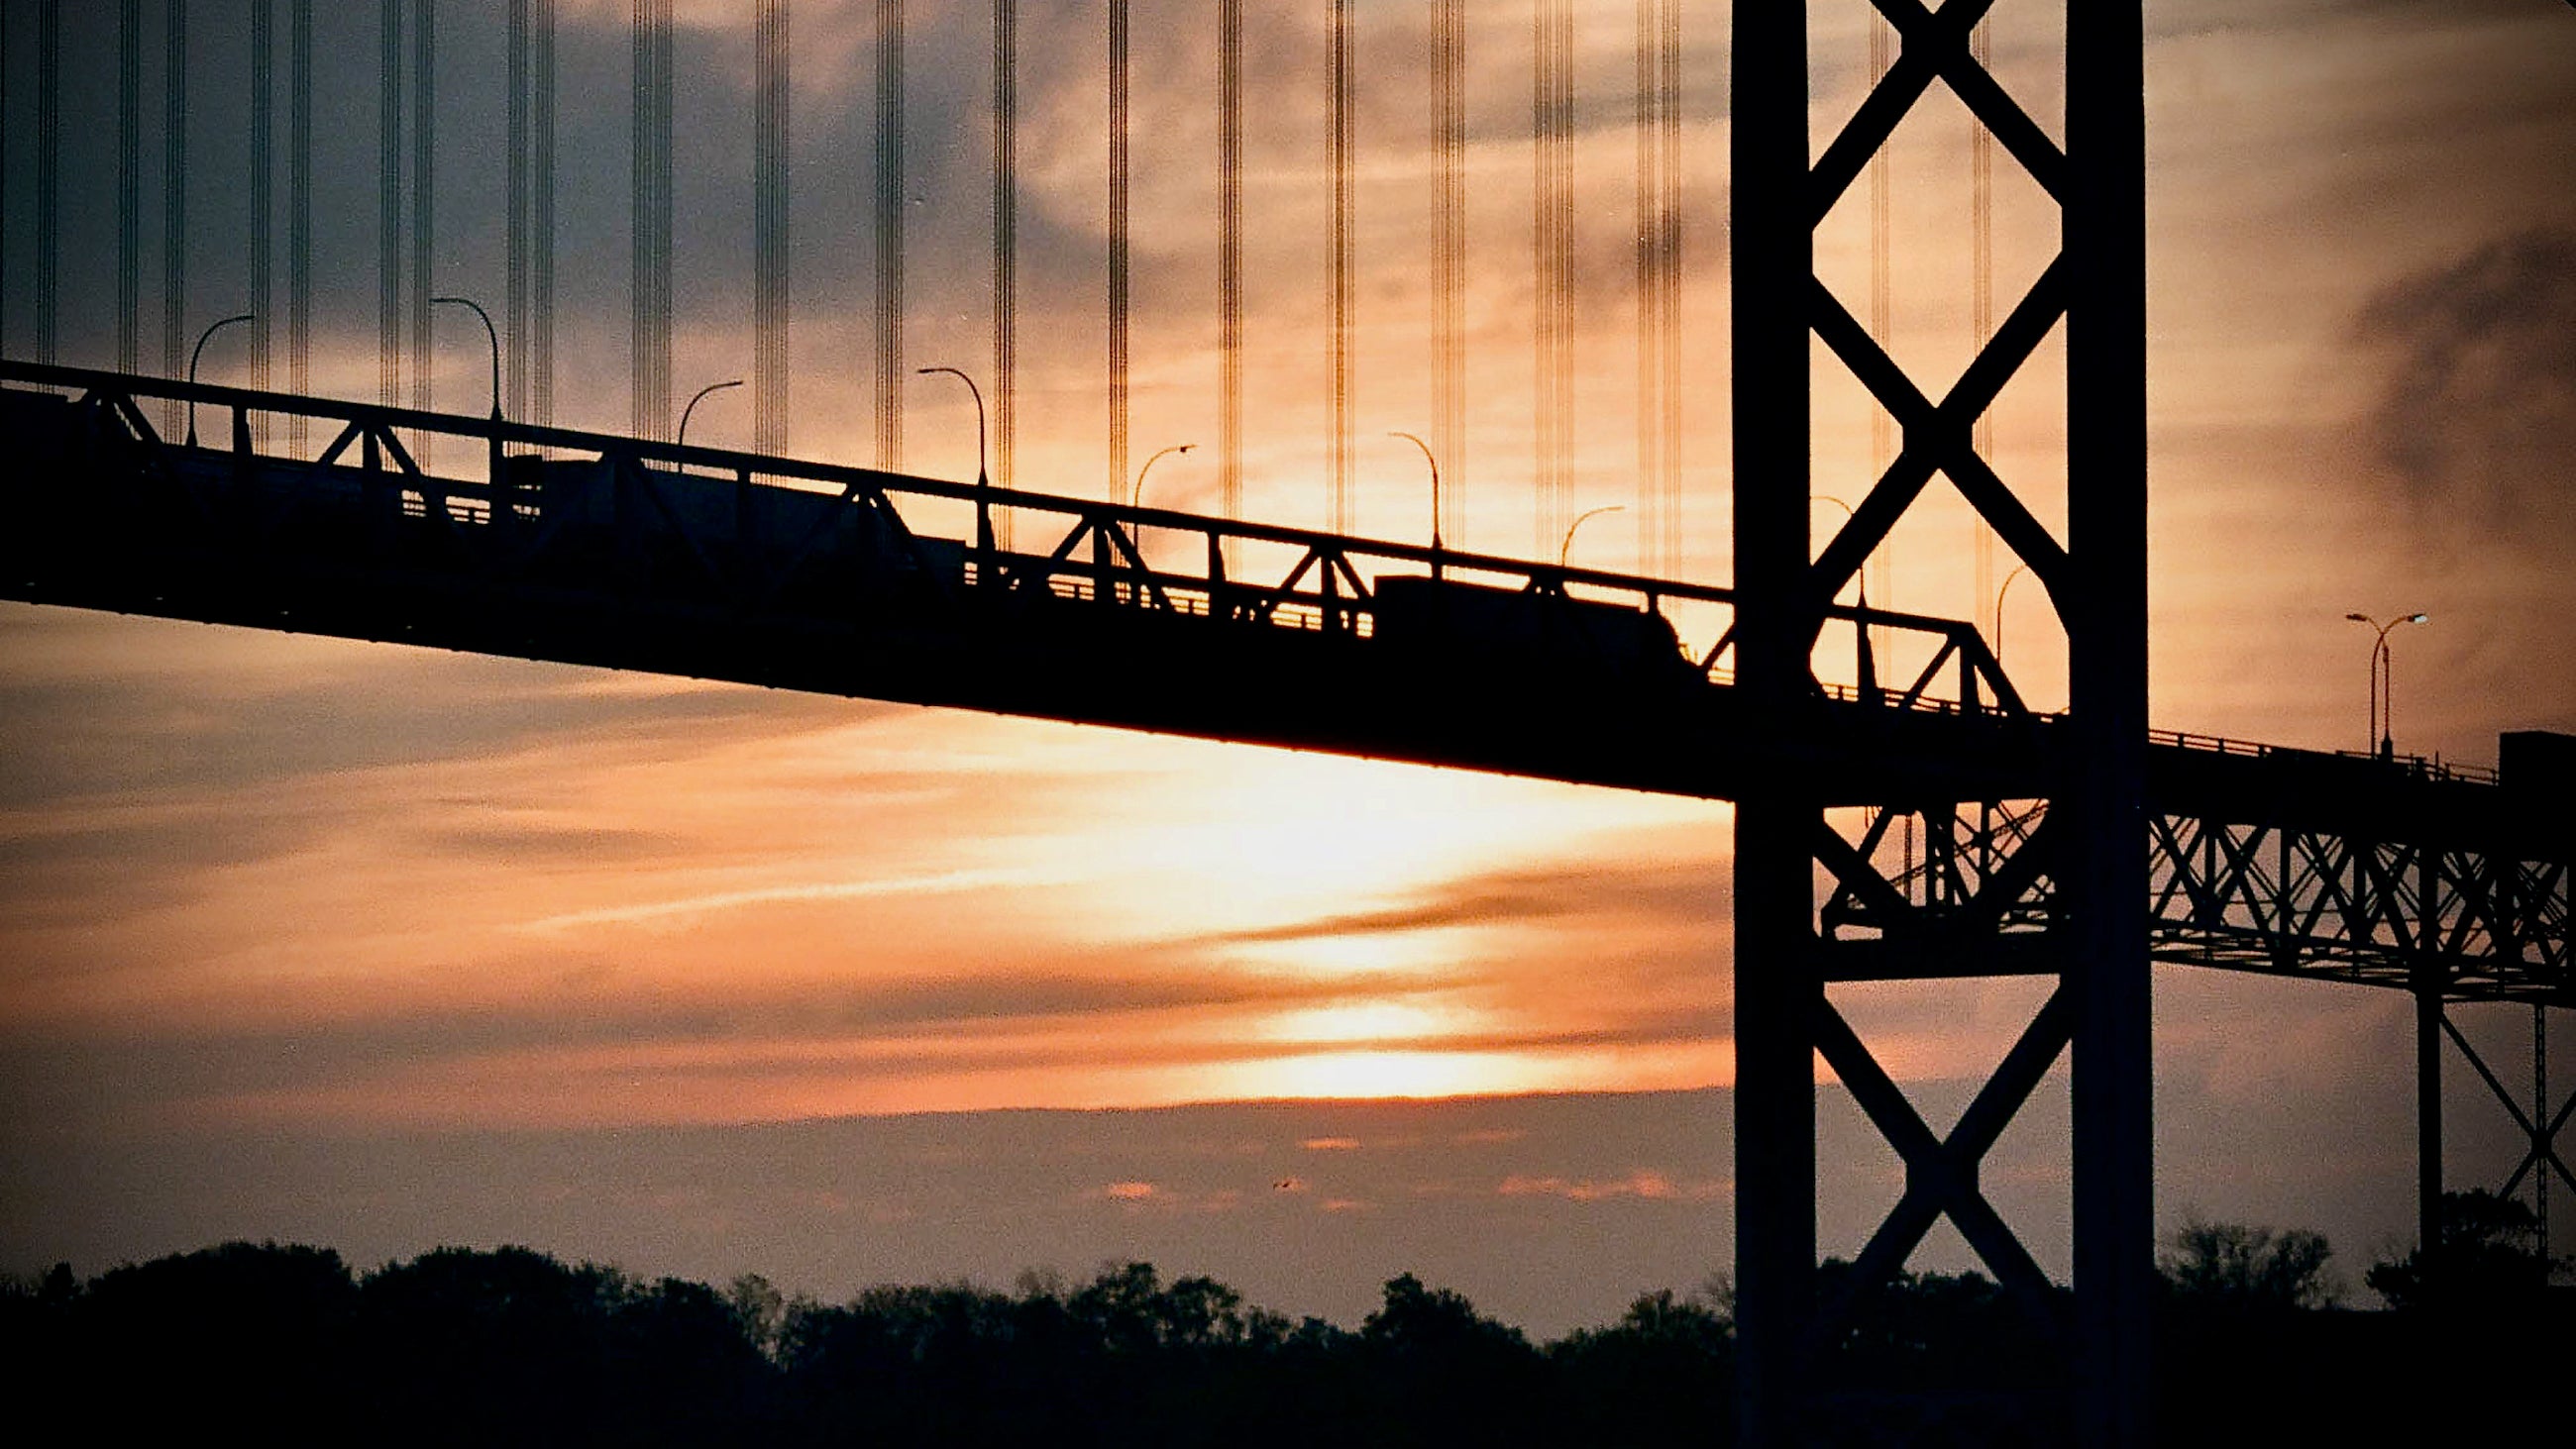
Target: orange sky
{"x":304,"y":887}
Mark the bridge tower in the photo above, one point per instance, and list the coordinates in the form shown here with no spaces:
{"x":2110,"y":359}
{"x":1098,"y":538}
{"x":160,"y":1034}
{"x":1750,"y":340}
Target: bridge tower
{"x":2086,"y":855}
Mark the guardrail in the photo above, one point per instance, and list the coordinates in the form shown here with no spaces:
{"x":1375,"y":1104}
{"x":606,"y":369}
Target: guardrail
{"x":2421,"y":767}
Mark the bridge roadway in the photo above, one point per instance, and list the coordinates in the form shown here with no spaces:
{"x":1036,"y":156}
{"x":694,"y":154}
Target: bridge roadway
{"x":628,"y":554}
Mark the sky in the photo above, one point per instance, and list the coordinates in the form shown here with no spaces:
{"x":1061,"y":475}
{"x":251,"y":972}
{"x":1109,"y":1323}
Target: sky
{"x":386,"y":948}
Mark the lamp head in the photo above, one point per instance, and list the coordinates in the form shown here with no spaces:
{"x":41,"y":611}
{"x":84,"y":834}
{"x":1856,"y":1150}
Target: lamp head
{"x":2418,"y":618}
{"x":2358,"y":618}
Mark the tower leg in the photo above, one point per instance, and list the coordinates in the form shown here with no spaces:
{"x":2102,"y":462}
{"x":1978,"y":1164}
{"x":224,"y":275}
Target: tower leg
{"x":2106,"y":385}
{"x":2428,"y":1126}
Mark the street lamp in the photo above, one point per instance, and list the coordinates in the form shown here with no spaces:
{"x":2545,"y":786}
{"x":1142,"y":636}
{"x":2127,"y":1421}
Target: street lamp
{"x":980,"y":478}
{"x":699,"y":397}
{"x":1566,"y":548}
{"x":1435,"y":495}
{"x":1136,"y":498}
{"x":200,"y":351}
{"x":983,"y":480}
{"x":2018,"y":571}
{"x":488,"y":331}
{"x":2383,"y":700}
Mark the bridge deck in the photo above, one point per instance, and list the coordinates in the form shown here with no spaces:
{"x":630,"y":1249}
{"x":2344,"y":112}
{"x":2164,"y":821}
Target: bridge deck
{"x":613,"y":552}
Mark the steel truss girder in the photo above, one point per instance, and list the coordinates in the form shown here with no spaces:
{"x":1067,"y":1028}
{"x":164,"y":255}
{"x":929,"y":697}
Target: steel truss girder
{"x":2302,"y":902}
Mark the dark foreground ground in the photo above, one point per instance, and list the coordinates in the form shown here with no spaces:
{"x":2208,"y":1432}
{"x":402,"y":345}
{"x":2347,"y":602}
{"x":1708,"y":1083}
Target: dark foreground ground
{"x":286,"y":1345}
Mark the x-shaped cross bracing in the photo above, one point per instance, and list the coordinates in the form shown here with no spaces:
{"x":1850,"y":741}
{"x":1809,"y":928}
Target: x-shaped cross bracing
{"x":2542,"y":1154}
{"x":1941,"y":1172}
{"x":1937,"y":437}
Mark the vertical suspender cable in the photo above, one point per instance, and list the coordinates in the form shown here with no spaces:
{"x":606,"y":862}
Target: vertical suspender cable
{"x":1646,"y":124}
{"x":1660,"y":155}
{"x":889,"y":227}
{"x":1542,"y":316}
{"x":174,"y":196}
{"x":49,"y":121}
{"x":1118,"y":135}
{"x":1561,"y":183}
{"x":541,"y":213}
{"x":514,"y":296}
{"x":263,"y":134}
{"x":1882,"y":428}
{"x":1981,"y":193}
{"x":769,"y":226}
{"x":389,"y":49}
{"x":1551,"y":106}
{"x":299,"y":213}
{"x":424,"y":231}
{"x":1229,"y":266}
{"x":129,"y":186}
{"x":1672,"y":237}
{"x":4,"y":169}
{"x":650,"y":241}
{"x":1006,"y":204}
{"x":639,"y":219}
{"x":1449,"y":389}
{"x":1340,"y":470}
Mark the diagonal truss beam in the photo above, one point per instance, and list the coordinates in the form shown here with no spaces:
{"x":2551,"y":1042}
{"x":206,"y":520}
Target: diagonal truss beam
{"x":2542,"y":1154}
{"x":1939,"y":437}
{"x":1941,"y":1173}
{"x":1935,"y":47}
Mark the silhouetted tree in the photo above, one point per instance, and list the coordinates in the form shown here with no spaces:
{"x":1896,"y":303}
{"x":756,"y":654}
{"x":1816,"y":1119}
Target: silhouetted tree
{"x":2235,"y":1266}
{"x":501,"y":1347}
{"x":247,"y":1333}
{"x":1662,"y":1374}
{"x":2487,"y":1255}
{"x":1446,"y":1374}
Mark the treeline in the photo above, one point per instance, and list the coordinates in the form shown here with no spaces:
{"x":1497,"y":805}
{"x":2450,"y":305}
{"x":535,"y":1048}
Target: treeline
{"x":515,"y":1347}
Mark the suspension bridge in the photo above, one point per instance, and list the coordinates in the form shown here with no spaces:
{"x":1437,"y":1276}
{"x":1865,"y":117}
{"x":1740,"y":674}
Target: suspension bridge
{"x":1957,"y":831}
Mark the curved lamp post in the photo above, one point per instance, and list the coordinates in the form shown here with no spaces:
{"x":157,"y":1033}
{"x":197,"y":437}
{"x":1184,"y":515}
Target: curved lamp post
{"x":1566,"y":549}
{"x":983,"y":479}
{"x":2383,"y":701}
{"x":697,"y":398}
{"x":490,"y":332}
{"x":200,"y":351}
{"x":1136,"y":496}
{"x":1435,"y":495}
{"x":2018,"y":571}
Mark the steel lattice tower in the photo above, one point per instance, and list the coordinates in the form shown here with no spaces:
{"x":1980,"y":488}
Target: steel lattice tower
{"x":2092,"y":846}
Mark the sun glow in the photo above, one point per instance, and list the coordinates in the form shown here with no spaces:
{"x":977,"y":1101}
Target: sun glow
{"x":1369,"y":1021}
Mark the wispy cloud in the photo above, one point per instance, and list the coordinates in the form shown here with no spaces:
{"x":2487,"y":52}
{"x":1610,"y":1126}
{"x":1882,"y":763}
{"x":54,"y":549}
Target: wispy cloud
{"x":689,"y":909}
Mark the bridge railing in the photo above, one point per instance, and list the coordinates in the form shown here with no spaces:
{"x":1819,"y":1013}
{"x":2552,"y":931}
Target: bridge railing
{"x":1091,"y":550}
{"x":2422,"y":767}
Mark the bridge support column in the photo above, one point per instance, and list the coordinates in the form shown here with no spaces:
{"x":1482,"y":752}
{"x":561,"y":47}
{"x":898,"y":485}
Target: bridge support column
{"x":1776,"y":984}
{"x":2105,"y":612}
{"x":2428,"y":1125}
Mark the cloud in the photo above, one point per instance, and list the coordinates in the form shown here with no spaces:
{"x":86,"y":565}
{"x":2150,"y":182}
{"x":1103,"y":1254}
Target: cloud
{"x":1644,"y":1184}
{"x":1656,"y":891}
{"x":689,"y":909}
{"x":2476,"y":421}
